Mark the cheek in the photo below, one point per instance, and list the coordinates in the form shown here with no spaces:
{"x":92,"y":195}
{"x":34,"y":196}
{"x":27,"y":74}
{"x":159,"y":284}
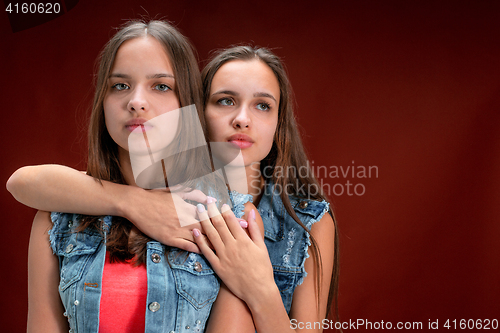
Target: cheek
{"x":213,"y":124}
{"x":270,"y":132}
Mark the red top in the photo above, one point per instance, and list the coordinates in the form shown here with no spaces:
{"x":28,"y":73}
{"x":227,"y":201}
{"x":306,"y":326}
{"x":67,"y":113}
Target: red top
{"x":124,"y":293}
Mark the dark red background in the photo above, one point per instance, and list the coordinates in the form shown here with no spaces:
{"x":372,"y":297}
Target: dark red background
{"x":412,"y":87}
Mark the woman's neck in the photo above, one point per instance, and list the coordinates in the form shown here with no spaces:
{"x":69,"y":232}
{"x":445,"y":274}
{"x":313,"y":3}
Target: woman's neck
{"x":246,"y":179}
{"x":126,"y":167}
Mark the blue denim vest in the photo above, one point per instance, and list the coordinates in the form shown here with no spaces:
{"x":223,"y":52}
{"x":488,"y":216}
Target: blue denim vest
{"x":181,"y":287}
{"x":286,"y":241}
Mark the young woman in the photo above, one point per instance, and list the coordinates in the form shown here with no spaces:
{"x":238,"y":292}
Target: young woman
{"x":99,"y":273}
{"x":248,"y":104}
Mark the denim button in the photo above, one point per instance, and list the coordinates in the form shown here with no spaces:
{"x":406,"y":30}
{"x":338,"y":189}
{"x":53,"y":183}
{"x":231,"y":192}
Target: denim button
{"x":198,"y":322}
{"x":69,"y":248}
{"x":187,"y":327}
{"x":197,"y":266}
{"x":77,"y":302}
{"x":155,"y":257}
{"x":303,"y":204}
{"x":154,"y":306}
{"x":70,"y":223}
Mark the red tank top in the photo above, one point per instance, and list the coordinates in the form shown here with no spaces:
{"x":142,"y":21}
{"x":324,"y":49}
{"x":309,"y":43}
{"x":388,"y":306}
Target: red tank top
{"x":124,"y":293}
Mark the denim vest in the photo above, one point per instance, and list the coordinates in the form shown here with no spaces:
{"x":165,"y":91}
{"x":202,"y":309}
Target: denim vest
{"x":181,"y":287}
{"x":286,"y":241}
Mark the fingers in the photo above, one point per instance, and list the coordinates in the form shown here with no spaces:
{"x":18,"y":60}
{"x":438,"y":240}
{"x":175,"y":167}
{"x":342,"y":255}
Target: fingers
{"x":210,"y":231}
{"x":236,"y":226}
{"x":203,"y":245}
{"x":218,"y":221}
{"x":190,"y":194}
{"x":186,"y":245}
{"x":194,"y":195}
{"x":254,"y":229}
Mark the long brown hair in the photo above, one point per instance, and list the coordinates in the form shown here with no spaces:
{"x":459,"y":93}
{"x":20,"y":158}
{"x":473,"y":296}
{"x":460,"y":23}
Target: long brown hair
{"x":287,"y":150}
{"x":103,"y":162}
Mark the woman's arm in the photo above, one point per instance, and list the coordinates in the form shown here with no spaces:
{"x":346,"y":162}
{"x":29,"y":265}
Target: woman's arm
{"x":305,"y":297}
{"x":63,"y":189}
{"x":243,"y":263}
{"x":229,"y":313}
{"x":45,"y":310}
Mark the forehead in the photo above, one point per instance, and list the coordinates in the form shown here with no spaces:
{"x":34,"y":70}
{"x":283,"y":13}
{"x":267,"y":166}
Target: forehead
{"x":142,"y":51}
{"x":246,"y":75}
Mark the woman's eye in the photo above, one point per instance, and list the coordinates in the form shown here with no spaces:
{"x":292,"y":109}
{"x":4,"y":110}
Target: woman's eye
{"x":120,"y":86}
{"x":263,"y":107}
{"x":162,"y":87}
{"x":225,"y":102}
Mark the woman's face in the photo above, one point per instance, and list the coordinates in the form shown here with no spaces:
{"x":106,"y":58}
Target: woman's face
{"x":242,"y":108}
{"x":141,"y":87}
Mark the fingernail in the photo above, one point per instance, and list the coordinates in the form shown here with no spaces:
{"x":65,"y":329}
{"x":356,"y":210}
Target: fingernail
{"x":196,"y":232}
{"x":243,"y":223}
{"x":210,"y":200}
{"x":200,"y":208}
{"x":252,"y":214}
{"x":224,"y":208}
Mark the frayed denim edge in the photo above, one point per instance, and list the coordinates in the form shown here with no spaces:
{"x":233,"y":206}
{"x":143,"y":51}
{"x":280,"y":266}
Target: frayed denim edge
{"x":308,"y":241}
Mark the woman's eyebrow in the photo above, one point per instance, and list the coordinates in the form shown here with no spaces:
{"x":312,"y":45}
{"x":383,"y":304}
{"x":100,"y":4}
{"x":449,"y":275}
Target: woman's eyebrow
{"x":159,"y":75}
{"x":152,"y":76}
{"x":263,"y":94}
{"x":226,"y":92}
{"x":119,"y":75}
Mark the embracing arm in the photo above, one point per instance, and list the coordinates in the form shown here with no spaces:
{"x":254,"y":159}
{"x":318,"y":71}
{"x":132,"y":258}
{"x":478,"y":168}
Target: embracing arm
{"x":45,"y":310}
{"x":58,"y":188}
{"x":63,"y":189}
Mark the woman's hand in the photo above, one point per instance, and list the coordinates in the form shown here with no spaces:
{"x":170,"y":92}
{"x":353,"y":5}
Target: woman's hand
{"x":165,"y":216}
{"x":242,"y":262}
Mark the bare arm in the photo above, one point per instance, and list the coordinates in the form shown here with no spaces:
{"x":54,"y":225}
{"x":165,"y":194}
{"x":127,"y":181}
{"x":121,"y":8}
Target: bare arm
{"x":243,"y":263}
{"x":63,"y":189}
{"x":58,"y":188}
{"x":45,"y":310}
{"x":229,"y":313}
{"x":305,"y":303}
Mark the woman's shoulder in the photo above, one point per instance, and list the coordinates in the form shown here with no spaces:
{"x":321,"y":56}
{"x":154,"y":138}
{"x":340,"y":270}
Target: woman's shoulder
{"x":65,"y":237}
{"x":67,"y":222}
{"x":309,"y":210}
{"x":313,"y":208}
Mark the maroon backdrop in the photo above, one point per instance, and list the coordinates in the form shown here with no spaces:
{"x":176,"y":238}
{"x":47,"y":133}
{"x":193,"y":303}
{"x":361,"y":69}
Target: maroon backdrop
{"x":409,"y":88}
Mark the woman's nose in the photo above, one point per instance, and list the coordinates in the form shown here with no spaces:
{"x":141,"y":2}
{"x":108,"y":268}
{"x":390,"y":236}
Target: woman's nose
{"x":243,"y":118}
{"x":138,"y":101}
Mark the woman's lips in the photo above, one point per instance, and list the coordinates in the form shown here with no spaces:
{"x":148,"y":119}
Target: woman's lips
{"x":133,"y":127}
{"x":242,"y":141}
{"x":132,"y":124}
{"x":241,"y":144}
